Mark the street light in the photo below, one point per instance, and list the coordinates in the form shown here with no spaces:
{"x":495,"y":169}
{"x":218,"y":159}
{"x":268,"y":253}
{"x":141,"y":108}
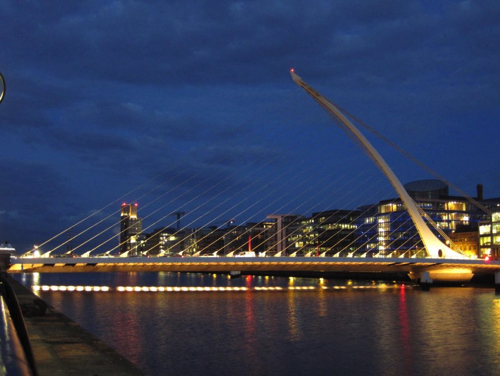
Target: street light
{"x":2,"y":88}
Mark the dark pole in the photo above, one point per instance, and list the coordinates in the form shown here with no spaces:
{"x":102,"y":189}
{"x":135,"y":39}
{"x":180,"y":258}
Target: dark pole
{"x":2,"y":88}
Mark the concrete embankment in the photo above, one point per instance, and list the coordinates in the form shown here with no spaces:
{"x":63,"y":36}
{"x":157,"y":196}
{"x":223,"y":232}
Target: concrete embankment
{"x":61,"y":347}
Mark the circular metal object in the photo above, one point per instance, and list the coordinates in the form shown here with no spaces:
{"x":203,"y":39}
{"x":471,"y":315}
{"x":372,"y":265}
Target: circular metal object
{"x":2,"y":88}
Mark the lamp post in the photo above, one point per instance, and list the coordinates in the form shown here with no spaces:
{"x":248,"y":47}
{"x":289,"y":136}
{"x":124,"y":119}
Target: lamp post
{"x":2,"y":88}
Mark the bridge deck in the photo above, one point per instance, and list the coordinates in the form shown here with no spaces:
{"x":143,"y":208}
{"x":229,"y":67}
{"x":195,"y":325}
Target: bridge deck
{"x":248,"y":264}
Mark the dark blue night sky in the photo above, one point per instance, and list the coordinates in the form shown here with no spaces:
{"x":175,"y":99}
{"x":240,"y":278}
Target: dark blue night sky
{"x":103,"y":96}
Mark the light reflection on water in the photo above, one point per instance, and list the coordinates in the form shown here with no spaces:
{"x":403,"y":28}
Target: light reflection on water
{"x":394,"y":331}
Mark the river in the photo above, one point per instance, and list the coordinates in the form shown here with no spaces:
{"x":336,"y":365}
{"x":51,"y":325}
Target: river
{"x":336,"y":327}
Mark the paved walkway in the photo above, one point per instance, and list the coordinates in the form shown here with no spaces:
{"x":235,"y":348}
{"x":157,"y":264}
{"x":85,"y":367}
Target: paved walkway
{"x":63,"y":348}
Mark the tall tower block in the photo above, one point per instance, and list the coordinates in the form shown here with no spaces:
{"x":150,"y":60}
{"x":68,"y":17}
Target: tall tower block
{"x":130,"y":228}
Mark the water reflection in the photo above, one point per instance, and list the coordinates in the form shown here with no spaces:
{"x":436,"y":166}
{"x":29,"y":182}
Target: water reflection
{"x":405,"y":334}
{"x":495,"y":319}
{"x":341,"y":329}
{"x":322,"y":303}
{"x":292,"y":319}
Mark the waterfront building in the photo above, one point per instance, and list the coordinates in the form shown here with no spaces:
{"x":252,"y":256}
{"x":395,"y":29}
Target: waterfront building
{"x":466,"y":241}
{"x":394,"y":230}
{"x":167,"y":241}
{"x":367,"y":235}
{"x":489,"y":237}
{"x":325,"y":233}
{"x":130,"y":228}
{"x":260,"y":237}
{"x":384,"y":228}
{"x":287,"y":234}
{"x":240,"y":240}
{"x":155,"y":243}
{"x":212,"y":240}
{"x":335,"y":232}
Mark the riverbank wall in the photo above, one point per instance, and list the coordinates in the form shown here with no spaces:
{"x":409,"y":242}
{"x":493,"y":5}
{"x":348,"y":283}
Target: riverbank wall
{"x":61,"y":347}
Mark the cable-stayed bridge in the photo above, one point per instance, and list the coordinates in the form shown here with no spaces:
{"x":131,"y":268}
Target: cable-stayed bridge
{"x":436,"y":269}
{"x":335,"y":246}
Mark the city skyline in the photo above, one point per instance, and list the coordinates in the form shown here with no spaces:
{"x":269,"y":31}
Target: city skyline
{"x":103,"y":97}
{"x":379,"y":229}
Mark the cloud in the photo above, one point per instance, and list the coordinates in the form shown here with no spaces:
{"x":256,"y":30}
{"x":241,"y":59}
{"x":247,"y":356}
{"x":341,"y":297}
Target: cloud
{"x":184,"y":42}
{"x":34,"y":200}
{"x":197,"y":42}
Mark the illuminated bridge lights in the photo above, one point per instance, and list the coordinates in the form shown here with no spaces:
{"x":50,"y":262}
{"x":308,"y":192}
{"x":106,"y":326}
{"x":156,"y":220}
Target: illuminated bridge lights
{"x":206,"y":288}
{"x":71,"y":288}
{"x":270,"y":288}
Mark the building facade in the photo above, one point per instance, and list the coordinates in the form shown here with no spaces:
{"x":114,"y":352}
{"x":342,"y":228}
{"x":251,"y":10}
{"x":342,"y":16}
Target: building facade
{"x":489,"y":237}
{"x":130,"y":230}
{"x":382,"y":229}
{"x":389,"y":230}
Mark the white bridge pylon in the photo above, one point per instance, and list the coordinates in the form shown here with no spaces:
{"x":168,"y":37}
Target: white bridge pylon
{"x":434,"y":247}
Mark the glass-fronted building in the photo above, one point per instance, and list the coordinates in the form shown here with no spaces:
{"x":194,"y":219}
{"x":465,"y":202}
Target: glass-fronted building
{"x":489,"y":237}
{"x":382,"y":229}
{"x":389,"y":230}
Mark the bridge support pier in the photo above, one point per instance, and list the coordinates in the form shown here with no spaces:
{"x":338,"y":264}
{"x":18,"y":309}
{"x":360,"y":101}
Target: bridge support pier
{"x":425,"y":281}
{"x":5,"y":260}
{"x":235,"y":274}
{"x":497,"y":282}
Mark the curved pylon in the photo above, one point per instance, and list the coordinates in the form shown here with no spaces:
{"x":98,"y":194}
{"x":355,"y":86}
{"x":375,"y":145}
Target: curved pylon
{"x":435,"y":248}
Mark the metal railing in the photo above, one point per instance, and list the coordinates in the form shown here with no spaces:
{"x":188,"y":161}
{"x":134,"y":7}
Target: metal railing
{"x":16,"y":355}
{"x":2,"y":88}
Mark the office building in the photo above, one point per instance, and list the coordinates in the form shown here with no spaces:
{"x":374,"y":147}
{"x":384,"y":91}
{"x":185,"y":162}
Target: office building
{"x":389,"y":230}
{"x":130,"y":229}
